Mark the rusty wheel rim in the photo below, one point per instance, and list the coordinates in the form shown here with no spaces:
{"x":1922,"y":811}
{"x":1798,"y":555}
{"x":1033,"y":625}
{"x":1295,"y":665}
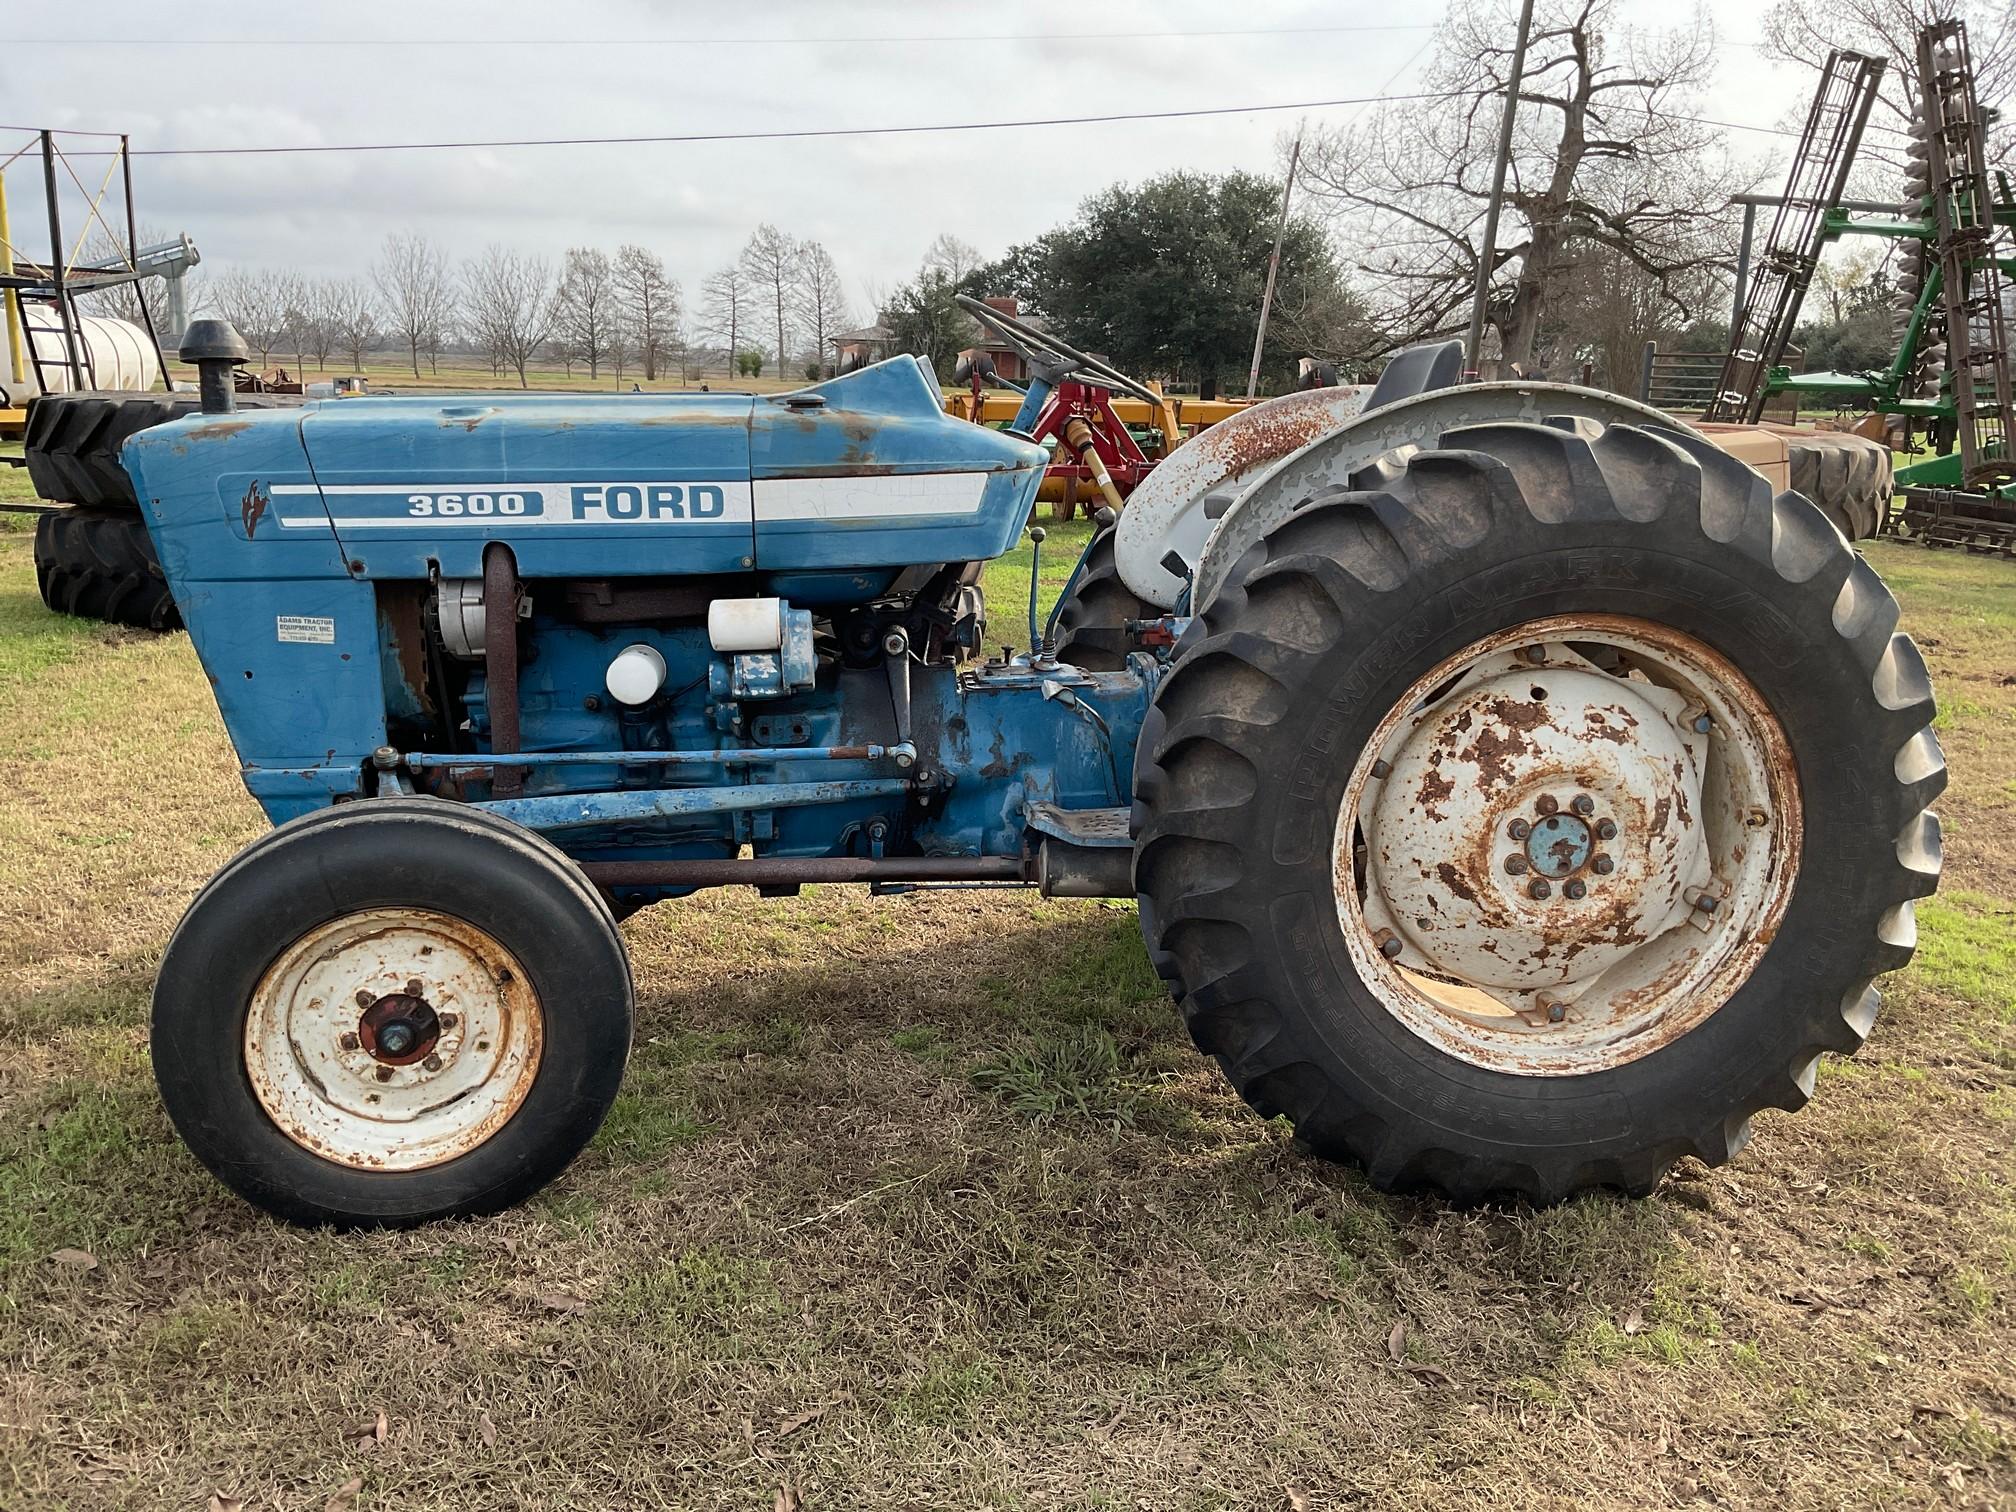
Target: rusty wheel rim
{"x":393,"y":1039}
{"x":1567,"y":845}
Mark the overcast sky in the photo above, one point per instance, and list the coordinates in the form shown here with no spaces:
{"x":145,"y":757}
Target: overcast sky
{"x":364,"y":71}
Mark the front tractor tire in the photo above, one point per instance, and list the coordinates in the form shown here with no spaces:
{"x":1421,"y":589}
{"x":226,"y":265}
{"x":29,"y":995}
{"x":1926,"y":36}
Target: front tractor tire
{"x":392,"y":1011}
{"x":1531,"y":812}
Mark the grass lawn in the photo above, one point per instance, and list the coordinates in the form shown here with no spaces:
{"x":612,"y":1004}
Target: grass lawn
{"x":927,"y":1202}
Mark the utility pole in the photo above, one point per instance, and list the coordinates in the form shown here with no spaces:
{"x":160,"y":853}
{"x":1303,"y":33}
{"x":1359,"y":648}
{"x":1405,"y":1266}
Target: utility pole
{"x":1489,"y":253}
{"x":1274,"y":264}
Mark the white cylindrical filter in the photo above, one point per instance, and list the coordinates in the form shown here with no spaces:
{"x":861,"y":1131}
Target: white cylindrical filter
{"x":636,"y":675}
{"x":751,"y":624}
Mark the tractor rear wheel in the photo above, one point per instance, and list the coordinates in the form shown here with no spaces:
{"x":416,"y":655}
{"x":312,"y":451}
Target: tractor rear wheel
{"x":71,"y":441}
{"x":392,"y":1011}
{"x":1092,"y":625}
{"x":99,"y":563}
{"x":1535,"y":812}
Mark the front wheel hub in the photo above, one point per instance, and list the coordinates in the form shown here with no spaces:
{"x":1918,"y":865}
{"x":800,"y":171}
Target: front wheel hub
{"x":1536,"y":822}
{"x":399,"y":1029}
{"x":393,"y":1039}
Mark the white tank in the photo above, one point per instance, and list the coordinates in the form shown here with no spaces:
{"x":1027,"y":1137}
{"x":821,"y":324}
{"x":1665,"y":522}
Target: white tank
{"x":116,"y":353}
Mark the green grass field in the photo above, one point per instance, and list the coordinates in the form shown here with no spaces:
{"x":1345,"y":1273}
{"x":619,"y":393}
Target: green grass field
{"x":927,"y":1202}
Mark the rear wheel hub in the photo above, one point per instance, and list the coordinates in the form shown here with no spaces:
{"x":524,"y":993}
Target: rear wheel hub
{"x":1567,"y":844}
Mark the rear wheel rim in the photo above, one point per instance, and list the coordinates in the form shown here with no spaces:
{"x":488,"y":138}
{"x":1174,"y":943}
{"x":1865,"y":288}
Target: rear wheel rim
{"x":393,"y":1039}
{"x":1567,"y":845}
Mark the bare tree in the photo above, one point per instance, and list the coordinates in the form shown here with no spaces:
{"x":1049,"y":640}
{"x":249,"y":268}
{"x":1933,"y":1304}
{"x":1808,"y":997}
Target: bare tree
{"x":585,"y":308}
{"x":951,"y":256}
{"x":440,"y":330}
{"x":1607,"y":155}
{"x":683,"y":352}
{"x":411,"y":275}
{"x":1805,"y":31}
{"x":727,"y":311}
{"x":353,"y":318}
{"x":258,"y":302}
{"x":509,"y":297}
{"x":820,"y":302}
{"x":770,"y":263}
{"x":322,"y":302}
{"x":650,"y":304}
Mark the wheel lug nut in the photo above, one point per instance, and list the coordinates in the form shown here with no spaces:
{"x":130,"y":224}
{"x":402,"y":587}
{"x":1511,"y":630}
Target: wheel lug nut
{"x":1518,"y":829}
{"x":384,"y":1073}
{"x":364,"y":999}
{"x":1515,"y":865}
{"x":1583,"y":804}
{"x":414,"y":986}
{"x":1538,"y":888}
{"x":1547,"y":803}
{"x":1390,"y":947}
{"x":1706,"y":904}
{"x":1382,"y":770}
{"x":1576,"y":888}
{"x":1602,"y":866}
{"x":1703,"y":724}
{"x":432,"y":1063}
{"x":1606,"y":830}
{"x":449,"y":1021}
{"x":1556,"y":1012}
{"x":349,"y":1042}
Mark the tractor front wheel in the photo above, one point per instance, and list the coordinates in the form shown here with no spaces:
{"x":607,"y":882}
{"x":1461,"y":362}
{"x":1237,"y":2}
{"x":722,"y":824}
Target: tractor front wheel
{"x":1533,"y":812}
{"x":392,"y":1011}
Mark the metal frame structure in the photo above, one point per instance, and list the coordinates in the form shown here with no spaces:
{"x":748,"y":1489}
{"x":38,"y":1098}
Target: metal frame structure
{"x":62,"y":277}
{"x":1818,"y":179}
{"x":1963,"y":209}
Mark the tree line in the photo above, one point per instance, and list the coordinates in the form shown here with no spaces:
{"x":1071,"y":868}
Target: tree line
{"x":1619,"y":228}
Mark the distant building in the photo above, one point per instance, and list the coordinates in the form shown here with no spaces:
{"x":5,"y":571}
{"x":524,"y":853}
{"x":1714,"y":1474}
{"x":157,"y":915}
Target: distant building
{"x":1008,"y":363}
{"x":853,"y":349}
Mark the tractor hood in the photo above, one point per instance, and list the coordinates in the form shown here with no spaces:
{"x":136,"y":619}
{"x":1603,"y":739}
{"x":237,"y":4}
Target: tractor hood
{"x":861,"y":472}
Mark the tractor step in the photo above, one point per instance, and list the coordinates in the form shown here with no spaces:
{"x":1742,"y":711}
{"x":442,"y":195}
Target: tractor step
{"x":1097,"y":829}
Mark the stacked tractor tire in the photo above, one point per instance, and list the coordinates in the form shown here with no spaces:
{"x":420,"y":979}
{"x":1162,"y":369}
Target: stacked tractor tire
{"x":1847,"y":475}
{"x":93,"y":556}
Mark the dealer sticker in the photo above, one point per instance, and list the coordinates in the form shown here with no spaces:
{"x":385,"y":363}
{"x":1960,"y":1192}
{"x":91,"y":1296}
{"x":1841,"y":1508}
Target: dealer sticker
{"x":306,"y":629}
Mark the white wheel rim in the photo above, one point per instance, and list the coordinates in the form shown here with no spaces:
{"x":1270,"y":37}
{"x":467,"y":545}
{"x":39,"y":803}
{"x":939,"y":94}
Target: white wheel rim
{"x":317,"y":1065}
{"x":1667,"y":860}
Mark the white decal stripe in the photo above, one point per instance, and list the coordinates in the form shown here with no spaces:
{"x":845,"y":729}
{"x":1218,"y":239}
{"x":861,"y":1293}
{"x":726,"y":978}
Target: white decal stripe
{"x":888,"y":496}
{"x":547,"y":504}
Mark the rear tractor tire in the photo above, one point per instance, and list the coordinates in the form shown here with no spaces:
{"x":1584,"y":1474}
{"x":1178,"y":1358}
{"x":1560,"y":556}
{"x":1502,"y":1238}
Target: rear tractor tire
{"x":1092,"y":624}
{"x":99,"y":563}
{"x":1534,"y":813}
{"x":392,"y":1011}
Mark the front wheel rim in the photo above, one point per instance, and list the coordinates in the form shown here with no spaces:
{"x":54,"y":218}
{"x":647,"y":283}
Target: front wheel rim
{"x":393,"y":1039}
{"x":1567,"y":845}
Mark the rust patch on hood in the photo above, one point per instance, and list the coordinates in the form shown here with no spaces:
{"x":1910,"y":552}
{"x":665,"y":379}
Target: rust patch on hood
{"x":215,"y":430}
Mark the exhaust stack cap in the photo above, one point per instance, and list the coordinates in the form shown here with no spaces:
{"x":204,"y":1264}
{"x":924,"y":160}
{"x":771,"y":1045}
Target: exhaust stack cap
{"x":215,"y":347}
{"x":210,"y":340}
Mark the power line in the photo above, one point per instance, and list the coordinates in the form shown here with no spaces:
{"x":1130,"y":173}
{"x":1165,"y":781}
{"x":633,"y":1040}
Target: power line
{"x":957,"y":38}
{"x":793,"y":134}
{"x":817,"y":132}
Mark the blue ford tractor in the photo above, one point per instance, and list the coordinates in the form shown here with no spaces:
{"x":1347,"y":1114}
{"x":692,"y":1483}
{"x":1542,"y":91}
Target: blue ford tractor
{"x":1518,"y":796}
